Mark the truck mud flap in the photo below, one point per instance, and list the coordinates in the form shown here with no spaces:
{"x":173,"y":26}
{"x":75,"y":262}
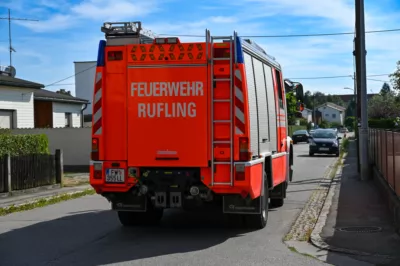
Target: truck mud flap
{"x":135,"y":204}
{"x":235,"y":204}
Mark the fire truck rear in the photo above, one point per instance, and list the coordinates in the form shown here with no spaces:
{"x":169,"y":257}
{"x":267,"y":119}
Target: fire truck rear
{"x":186,"y":125}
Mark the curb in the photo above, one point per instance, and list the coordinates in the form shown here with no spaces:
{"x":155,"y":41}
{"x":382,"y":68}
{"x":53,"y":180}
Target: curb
{"x":316,"y":239}
{"x":308,"y":216}
{"x":47,"y":198}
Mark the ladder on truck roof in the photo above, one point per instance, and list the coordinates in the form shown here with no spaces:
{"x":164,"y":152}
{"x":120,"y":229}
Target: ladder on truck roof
{"x":214,"y":81}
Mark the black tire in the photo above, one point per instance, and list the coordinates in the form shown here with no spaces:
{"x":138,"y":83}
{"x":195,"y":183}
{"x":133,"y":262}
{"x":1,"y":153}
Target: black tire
{"x":150,"y":217}
{"x":259,"y":221}
{"x":311,"y":154}
{"x":276,"y":203}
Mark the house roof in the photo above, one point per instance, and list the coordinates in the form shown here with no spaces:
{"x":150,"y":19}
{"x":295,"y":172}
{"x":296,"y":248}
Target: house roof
{"x":57,"y":97}
{"x":332,"y":105}
{"x":19,"y":83}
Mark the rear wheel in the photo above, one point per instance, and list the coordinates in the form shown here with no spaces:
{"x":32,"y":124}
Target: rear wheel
{"x":276,"y":203}
{"x":259,"y":221}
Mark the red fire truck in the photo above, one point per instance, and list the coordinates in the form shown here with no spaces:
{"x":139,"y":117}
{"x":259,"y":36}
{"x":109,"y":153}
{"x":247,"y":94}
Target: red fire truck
{"x":186,"y":124}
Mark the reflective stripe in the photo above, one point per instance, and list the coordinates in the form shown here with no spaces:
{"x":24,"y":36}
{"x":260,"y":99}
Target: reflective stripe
{"x":97,"y":115}
{"x":239,"y":114}
{"x":97,"y":96}
{"x":240,"y":121}
{"x":97,"y":105}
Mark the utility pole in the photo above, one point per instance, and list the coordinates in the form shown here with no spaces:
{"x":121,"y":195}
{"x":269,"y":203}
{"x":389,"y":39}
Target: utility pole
{"x":9,"y":18}
{"x":362,"y":89}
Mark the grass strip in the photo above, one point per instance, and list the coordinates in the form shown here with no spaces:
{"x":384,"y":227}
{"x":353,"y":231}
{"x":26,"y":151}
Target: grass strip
{"x":43,"y":202}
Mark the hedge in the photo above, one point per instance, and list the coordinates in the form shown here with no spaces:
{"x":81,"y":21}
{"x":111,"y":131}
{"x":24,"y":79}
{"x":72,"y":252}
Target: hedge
{"x":23,"y":144}
{"x":5,"y":131}
{"x":384,"y":123}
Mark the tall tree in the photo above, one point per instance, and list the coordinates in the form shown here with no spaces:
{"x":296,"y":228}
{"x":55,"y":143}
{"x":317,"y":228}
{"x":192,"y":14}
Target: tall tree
{"x":383,"y":106}
{"x":395,"y":78}
{"x":385,"y":89}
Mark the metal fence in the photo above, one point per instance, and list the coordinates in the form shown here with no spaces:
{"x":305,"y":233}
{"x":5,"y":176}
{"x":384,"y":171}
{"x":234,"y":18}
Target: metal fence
{"x":27,"y":171}
{"x":384,"y":154}
{"x":3,"y":173}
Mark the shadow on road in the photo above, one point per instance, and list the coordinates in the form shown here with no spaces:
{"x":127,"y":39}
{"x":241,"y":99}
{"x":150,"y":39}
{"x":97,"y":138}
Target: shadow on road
{"x":96,"y":238}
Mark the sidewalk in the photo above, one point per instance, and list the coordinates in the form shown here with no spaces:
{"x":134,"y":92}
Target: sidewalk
{"x":358,"y":205}
{"x":24,"y":198}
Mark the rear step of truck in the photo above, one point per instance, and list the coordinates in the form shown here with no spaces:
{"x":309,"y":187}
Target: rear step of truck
{"x":214,"y":84}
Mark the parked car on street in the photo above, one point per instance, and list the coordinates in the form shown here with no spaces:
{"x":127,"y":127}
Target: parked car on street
{"x":300,"y":136}
{"x":324,"y":141}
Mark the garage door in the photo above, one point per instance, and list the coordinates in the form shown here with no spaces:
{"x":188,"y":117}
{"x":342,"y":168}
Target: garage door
{"x":5,"y":119}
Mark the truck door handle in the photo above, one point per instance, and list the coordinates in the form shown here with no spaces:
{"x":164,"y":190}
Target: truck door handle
{"x":264,"y":140}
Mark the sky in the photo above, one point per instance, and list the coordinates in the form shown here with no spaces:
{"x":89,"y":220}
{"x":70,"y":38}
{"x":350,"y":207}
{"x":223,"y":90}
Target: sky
{"x":69,"y":30}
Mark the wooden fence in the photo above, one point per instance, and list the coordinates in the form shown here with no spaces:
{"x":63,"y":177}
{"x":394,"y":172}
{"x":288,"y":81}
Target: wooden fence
{"x":30,"y":171}
{"x":384,"y":154}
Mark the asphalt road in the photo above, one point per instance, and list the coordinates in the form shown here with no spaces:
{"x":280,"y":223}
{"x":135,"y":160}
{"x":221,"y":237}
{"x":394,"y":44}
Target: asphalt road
{"x":85,"y":232}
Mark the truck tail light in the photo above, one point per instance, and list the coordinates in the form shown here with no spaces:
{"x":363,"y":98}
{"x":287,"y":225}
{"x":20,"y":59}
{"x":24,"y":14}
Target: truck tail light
{"x":95,"y":149}
{"x":114,"y":55}
{"x":98,"y":170}
{"x":240,"y":172}
{"x":244,"y":153}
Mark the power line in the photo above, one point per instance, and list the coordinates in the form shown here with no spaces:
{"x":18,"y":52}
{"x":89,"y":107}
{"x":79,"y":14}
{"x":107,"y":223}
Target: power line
{"x":379,"y":80}
{"x":329,"y":77}
{"x":71,"y":76}
{"x":347,"y":76}
{"x":287,"y":35}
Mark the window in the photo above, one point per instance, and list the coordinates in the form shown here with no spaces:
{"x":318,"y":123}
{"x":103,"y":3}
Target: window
{"x":279,"y":81}
{"x":326,"y":114}
{"x":333,"y":115}
{"x":68,"y":119}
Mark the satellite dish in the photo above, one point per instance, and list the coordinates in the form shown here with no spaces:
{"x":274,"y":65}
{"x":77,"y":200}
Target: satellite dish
{"x":11,"y":70}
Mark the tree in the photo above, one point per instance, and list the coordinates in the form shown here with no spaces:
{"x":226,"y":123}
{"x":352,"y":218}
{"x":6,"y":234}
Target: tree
{"x":351,"y":108}
{"x":335,"y":99}
{"x":291,"y":107}
{"x":395,"y":78}
{"x":383,"y":106}
{"x":63,"y":91}
{"x":385,"y":89}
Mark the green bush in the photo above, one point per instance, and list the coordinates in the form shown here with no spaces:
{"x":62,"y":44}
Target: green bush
{"x":386,"y":123}
{"x":23,"y":144}
{"x":325,"y":124}
{"x":4,"y":131}
{"x":345,"y":144}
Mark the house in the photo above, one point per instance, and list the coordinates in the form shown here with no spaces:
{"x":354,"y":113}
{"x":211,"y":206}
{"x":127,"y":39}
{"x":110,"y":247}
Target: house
{"x":332,"y":113}
{"x":25,"y":104}
{"x":307,"y":114}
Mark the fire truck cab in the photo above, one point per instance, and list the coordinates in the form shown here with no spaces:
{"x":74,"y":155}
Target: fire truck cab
{"x":188,"y":124}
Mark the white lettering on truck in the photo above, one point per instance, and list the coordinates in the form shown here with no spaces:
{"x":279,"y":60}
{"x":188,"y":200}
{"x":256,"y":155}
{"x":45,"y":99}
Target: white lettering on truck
{"x":167,"y":89}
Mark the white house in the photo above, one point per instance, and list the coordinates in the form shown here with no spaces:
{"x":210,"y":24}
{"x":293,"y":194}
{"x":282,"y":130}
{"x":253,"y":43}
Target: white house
{"x":307,"y":114}
{"x":25,"y":104}
{"x":331,"y":112}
